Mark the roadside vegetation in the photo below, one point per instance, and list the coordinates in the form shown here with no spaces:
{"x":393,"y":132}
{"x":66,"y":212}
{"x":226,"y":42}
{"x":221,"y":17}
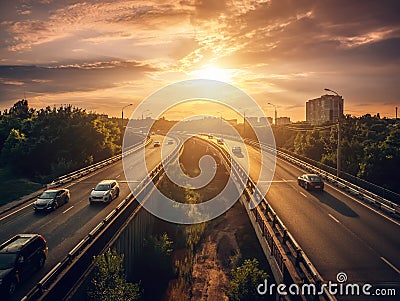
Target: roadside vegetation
{"x":39,"y":145}
{"x":370,"y":147}
{"x":108,"y":280}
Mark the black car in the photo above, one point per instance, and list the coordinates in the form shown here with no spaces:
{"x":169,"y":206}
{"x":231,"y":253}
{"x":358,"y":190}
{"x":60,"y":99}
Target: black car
{"x":19,"y":257}
{"x":51,"y":199}
{"x":310,"y":181}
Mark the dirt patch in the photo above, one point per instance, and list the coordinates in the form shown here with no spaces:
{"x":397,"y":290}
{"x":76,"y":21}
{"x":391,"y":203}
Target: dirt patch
{"x":224,"y":246}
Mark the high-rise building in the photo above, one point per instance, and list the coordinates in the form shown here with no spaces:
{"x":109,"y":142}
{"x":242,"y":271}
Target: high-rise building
{"x":282,"y":120}
{"x":326,"y":108}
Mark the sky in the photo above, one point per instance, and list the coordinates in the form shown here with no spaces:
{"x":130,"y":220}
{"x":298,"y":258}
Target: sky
{"x":103,"y":55}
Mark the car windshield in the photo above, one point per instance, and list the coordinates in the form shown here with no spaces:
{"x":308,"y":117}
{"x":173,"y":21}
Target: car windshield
{"x":48,"y":195}
{"x":7,"y":260}
{"x":102,"y":187}
{"x":314,"y":179}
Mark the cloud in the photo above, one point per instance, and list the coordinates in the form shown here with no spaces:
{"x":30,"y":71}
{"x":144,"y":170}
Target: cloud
{"x":39,"y":80}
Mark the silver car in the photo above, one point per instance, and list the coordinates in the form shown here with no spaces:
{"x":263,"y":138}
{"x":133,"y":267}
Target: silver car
{"x":104,"y":192}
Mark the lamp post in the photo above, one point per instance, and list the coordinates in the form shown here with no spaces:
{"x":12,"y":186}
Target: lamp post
{"x":338,"y":155}
{"x":276,"y":112}
{"x":122,"y":114}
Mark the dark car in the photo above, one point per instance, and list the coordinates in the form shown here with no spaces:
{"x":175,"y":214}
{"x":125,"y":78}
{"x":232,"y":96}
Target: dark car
{"x":51,"y":199}
{"x":236,"y":149}
{"x":20,"y":256}
{"x":311,"y":182}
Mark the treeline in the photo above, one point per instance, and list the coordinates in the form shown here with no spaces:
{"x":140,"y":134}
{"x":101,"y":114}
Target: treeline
{"x":52,"y":141}
{"x":370,"y":147}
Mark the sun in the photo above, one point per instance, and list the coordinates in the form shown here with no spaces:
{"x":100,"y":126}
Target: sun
{"x":212,"y":72}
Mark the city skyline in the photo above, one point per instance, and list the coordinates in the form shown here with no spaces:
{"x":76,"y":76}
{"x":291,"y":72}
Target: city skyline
{"x":103,"y":55}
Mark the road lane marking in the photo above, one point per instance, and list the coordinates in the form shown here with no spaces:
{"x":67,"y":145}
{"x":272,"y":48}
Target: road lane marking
{"x":277,"y":181}
{"x":117,"y":176}
{"x":68,"y":209}
{"x":334,"y":218}
{"x":345,"y":194}
{"x":13,"y":212}
{"x":390,"y":264}
{"x":303,"y":194}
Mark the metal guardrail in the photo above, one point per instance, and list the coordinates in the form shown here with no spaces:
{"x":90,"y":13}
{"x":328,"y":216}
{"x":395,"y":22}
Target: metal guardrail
{"x":377,"y":201}
{"x":89,"y":169}
{"x":56,"y":284}
{"x":294,"y":265}
{"x":361,"y":193}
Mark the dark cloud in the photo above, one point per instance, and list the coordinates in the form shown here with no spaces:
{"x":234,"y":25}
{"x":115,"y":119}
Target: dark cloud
{"x":14,"y":80}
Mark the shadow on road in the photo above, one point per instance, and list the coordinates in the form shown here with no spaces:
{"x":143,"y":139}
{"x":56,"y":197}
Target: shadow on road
{"x":334,"y":203}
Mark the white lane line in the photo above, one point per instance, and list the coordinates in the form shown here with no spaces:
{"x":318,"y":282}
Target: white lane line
{"x":117,"y":176}
{"x":347,"y":195}
{"x":390,"y":264}
{"x":13,"y":212}
{"x":68,"y":209}
{"x":334,"y":218}
{"x":303,"y":194}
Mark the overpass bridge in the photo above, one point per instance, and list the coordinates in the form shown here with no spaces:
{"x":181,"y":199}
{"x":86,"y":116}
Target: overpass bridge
{"x":307,"y":237}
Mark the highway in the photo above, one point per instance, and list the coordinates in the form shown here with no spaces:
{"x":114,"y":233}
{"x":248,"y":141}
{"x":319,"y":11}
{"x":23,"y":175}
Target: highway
{"x":70,"y":223}
{"x":337,"y":232}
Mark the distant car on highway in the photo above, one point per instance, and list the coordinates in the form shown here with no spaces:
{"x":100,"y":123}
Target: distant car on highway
{"x":310,"y":182}
{"x":156,"y":144}
{"x":20,"y":256}
{"x":210,"y":136}
{"x":236,"y":149}
{"x":104,"y":192}
{"x":220,"y":140}
{"x":51,"y":199}
{"x":170,"y":141}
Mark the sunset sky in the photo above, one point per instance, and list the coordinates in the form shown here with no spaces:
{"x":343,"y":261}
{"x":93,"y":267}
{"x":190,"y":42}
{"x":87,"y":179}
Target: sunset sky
{"x":103,"y":55}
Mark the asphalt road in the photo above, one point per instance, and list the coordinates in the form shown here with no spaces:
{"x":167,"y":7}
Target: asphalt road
{"x":337,"y":232}
{"x":70,"y":223}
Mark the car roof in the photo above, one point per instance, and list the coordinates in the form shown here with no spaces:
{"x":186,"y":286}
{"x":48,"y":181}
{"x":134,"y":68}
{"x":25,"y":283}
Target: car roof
{"x":311,"y":175}
{"x":107,"y":181}
{"x":16,"y":243}
{"x":54,"y":190}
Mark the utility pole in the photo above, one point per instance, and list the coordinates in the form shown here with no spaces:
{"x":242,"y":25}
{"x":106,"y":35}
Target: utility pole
{"x":276,"y":113}
{"x":338,"y":155}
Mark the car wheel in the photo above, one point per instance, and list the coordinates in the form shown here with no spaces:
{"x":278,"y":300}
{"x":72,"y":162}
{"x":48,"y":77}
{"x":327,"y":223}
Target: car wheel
{"x":55,"y":205}
{"x":306,"y":186}
{"x":12,"y":287}
{"x":117,"y":194}
{"x":41,"y":261}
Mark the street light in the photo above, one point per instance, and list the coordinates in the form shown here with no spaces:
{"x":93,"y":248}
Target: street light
{"x":276,"y":113}
{"x":122,"y":114}
{"x":338,"y":157}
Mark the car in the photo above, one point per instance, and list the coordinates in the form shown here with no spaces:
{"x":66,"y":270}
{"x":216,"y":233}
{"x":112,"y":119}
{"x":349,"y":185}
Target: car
{"x":104,"y":192}
{"x":210,"y":136}
{"x":236,"y":149}
{"x":51,"y":199}
{"x":220,"y":141}
{"x":20,"y":256}
{"x":157,"y":144}
{"x":170,"y":141}
{"x":311,"y":182}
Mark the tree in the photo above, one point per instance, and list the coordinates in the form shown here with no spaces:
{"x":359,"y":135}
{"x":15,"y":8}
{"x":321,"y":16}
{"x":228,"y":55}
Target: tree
{"x":245,"y":280}
{"x":108,"y":282}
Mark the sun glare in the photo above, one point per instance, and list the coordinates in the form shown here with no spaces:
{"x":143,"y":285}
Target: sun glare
{"x":211,"y":72}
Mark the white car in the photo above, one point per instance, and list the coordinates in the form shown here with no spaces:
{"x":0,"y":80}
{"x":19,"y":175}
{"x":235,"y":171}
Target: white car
{"x":104,"y":192}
